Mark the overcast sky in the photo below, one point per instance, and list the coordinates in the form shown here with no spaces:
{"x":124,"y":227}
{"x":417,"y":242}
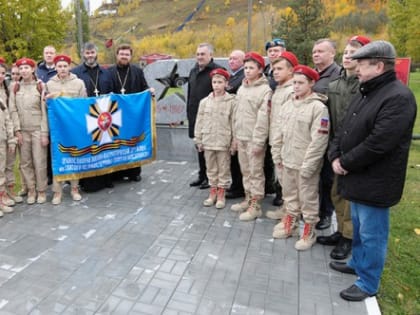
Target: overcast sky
{"x":94,"y":4}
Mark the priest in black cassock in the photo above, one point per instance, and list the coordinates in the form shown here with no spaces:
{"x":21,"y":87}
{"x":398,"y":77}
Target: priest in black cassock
{"x":127,"y":79}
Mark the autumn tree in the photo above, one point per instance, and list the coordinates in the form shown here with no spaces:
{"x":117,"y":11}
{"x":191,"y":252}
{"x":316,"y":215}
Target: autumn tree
{"x":301,"y":24}
{"x":404,"y":27}
{"x":84,"y":21}
{"x":26,"y":26}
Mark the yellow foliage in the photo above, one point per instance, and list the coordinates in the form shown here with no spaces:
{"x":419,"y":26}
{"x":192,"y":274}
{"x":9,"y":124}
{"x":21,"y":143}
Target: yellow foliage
{"x":105,"y":25}
{"x":207,"y":9}
{"x":230,"y":21}
{"x":227,"y":3}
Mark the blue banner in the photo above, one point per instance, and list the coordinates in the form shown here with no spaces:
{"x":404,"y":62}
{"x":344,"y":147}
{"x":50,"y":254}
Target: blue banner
{"x":98,"y":135}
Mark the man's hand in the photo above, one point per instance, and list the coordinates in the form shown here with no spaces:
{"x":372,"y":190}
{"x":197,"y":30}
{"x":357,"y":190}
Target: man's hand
{"x":257,"y":150}
{"x":19,"y":137}
{"x":337,"y":168}
{"x":44,"y":141}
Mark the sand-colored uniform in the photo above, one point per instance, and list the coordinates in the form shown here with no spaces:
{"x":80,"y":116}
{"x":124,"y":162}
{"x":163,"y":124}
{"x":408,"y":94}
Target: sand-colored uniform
{"x":70,"y":87}
{"x":299,"y":145}
{"x":213,"y":130}
{"x":7,"y":139}
{"x":252,"y":101}
{"x":29,"y":116}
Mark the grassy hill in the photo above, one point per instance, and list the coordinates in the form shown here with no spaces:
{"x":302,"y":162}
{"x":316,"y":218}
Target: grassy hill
{"x":150,"y":17}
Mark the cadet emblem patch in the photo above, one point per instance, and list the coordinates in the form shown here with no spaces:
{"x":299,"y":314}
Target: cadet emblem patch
{"x":324,"y":125}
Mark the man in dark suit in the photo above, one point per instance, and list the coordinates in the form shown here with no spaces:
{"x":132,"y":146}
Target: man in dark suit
{"x":127,"y":79}
{"x":199,"y":86}
{"x":236,"y":65}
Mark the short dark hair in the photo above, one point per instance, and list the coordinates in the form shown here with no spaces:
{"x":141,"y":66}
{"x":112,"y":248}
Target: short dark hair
{"x":389,"y":64}
{"x":124,"y":47}
{"x":89,"y":46}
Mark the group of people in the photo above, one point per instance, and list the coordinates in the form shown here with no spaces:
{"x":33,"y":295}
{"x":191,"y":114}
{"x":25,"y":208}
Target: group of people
{"x":338,"y":138}
{"x":24,"y":123}
{"x":321,"y":139}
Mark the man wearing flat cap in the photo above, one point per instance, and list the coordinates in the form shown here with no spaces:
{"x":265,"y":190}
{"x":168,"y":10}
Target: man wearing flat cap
{"x":369,"y":154}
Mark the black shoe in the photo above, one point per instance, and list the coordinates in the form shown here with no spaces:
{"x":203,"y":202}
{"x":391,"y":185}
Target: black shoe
{"x":233,"y":194}
{"x":342,"y":267}
{"x":330,"y":240}
{"x":354,"y":294}
{"x":324,"y":223}
{"x":204,"y":184}
{"x":278,"y":201}
{"x":197,"y":182}
{"x":342,"y":250}
{"x":135,"y":178}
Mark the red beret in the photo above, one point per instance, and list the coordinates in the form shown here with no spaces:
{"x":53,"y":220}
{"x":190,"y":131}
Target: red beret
{"x":290,"y":57}
{"x":26,"y":61}
{"x":2,"y":60}
{"x":309,"y":72}
{"x":362,"y":40}
{"x":62,"y":58}
{"x":221,"y":72}
{"x":252,"y":55}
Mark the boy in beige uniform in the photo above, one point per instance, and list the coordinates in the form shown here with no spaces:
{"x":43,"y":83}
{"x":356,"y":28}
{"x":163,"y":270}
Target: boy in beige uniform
{"x":298,"y":148}
{"x":213,"y":135}
{"x":7,"y":144}
{"x":282,"y":71}
{"x":252,"y":95}
{"x":29,"y":117}
{"x":67,"y":84}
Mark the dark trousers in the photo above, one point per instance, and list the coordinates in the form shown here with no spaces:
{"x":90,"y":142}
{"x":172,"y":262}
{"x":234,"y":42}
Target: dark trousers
{"x":49,"y":164}
{"x":202,"y":172}
{"x":236,"y":174}
{"x":269,"y":173}
{"x":326,"y":207}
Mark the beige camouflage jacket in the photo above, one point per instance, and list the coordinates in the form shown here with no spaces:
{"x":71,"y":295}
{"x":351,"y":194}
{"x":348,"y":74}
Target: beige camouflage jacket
{"x":264,"y":127}
{"x":71,"y":86}
{"x":302,"y":137}
{"x":27,"y":108}
{"x":252,"y":99}
{"x":6,"y":125}
{"x":213,"y":126}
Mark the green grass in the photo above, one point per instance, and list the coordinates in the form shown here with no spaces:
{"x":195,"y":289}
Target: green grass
{"x":399,"y":293}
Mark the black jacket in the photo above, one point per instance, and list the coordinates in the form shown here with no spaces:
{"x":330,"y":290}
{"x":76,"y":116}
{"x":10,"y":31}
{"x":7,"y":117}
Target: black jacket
{"x":325,"y":77}
{"x":103,"y":81}
{"x":199,"y":86}
{"x":235,"y":81}
{"x":135,"y":83}
{"x":373,"y":142}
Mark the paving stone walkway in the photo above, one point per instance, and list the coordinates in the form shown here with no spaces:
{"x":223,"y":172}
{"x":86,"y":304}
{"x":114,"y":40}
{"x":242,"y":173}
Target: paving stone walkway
{"x":152,"y":248}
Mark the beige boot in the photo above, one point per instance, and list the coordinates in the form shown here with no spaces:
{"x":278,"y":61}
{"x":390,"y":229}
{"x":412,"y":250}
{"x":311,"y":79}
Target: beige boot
{"x":42,"y":197}
{"x":276,"y":214}
{"x":6,"y":200}
{"x":287,"y":227}
{"x":56,"y":200}
{"x":221,"y":201}
{"x":11,"y":192}
{"x":243,"y":205}
{"x":75,"y":194}
{"x":31,"y":197}
{"x":212,"y":197}
{"x":253,"y":211}
{"x":308,"y":237}
{"x":3,"y":207}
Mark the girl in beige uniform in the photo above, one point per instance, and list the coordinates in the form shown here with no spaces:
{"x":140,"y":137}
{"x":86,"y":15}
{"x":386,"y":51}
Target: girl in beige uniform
{"x":253,"y":98}
{"x":29,"y":118}
{"x":10,"y":198}
{"x":298,"y":148}
{"x":67,"y":84}
{"x":213,"y":135}
{"x":7,"y":145}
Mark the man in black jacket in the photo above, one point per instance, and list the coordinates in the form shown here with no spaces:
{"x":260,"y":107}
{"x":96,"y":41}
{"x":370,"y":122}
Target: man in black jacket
{"x":370,"y":154}
{"x":98,"y":82}
{"x":199,"y":86}
{"x":127,"y":79}
{"x":236,"y":65}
